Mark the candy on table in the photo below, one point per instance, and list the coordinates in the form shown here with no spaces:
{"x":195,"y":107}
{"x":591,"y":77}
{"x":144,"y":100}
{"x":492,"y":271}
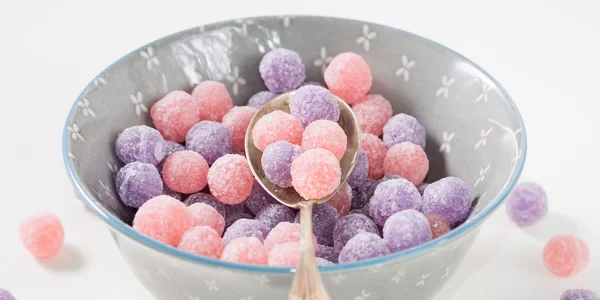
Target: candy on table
{"x":205,"y":215}
{"x":246,"y":250}
{"x":448,"y":197}
{"x":361,"y":170}
{"x":282,"y":233}
{"x":209,"y":139}
{"x":406,"y":229}
{"x":422,"y":188}
{"x":439,"y":226}
{"x":403,"y":128}
{"x":185,"y":172}
{"x":326,"y":135}
{"x":527,"y":204}
{"x":140,"y":143}
{"x":137,"y":182}
{"x":361,"y":196}
{"x":311,"y":83}
{"x":237,"y":121}
{"x":261,"y":98}
{"x":42,"y":234}
{"x":316,"y":173}
{"x":310,"y":103}
{"x":284,"y":254}
{"x":277,"y":162}
{"x":273,"y":214}
{"x":258,"y":198}
{"x":230,"y":219}
{"x":164,"y":219}
{"x":171,"y":147}
{"x":372,"y":114}
{"x":392,"y":196}
{"x":245,"y":228}
{"x":363,"y":246}
{"x":282,"y":70}
{"x":349,"y":77}
{"x":566,"y":255}
{"x":323,"y":262}
{"x":213,"y":100}
{"x":341,"y":201}
{"x":174,"y":115}
{"x":202,"y":240}
{"x":407,"y":160}
{"x":230,"y":179}
{"x":579,"y":294}
{"x":207,"y":199}
{"x":276,"y":126}
{"x":376,"y":151}
{"x":349,"y":226}
{"x":6,"y":295}
{"x":324,"y":217}
{"x":327,"y":253}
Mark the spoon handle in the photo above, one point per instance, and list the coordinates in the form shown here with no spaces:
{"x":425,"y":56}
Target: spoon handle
{"x":307,"y":282}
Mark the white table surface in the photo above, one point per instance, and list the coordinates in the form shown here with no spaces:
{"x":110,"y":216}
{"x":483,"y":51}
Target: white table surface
{"x":545,"y":53}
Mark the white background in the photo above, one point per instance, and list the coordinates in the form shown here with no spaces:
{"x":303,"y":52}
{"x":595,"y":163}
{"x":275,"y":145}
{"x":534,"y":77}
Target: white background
{"x":545,"y":53}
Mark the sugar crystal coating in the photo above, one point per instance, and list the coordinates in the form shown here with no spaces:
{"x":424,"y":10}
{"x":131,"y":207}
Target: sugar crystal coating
{"x":174,"y":115}
{"x":361,"y":170}
{"x":406,"y":229}
{"x":579,"y":294}
{"x":391,"y":197}
{"x":363,"y":245}
{"x":361,"y":196}
{"x":439,"y":226}
{"x":213,"y":100}
{"x":321,"y":262}
{"x":326,"y":135}
{"x":276,"y":126}
{"x":258,"y":198}
{"x":205,"y":215}
{"x":209,"y":139}
{"x":527,"y":204}
{"x":208,"y":199}
{"x":273,"y":214}
{"x":404,"y":128}
{"x":316,"y":173}
{"x":283,"y":232}
{"x":171,"y":147}
{"x":230,"y":219}
{"x":349,"y":226}
{"x":246,"y":228}
{"x":42,"y":234}
{"x":138,"y":182}
{"x":202,"y":240}
{"x":310,"y":103}
{"x":341,"y":201}
{"x":246,"y":250}
{"x":277,"y":162}
{"x":230,"y":179}
{"x":237,"y":121}
{"x":407,"y":160}
{"x":261,"y":98}
{"x":349,"y":77}
{"x":448,"y":197}
{"x":282,"y":70}
{"x":164,"y":219}
{"x":376,"y":151}
{"x":327,"y":253}
{"x":324,"y":217}
{"x":372,"y":114}
{"x":566,"y":255}
{"x":185,"y":172}
{"x":140,"y":143}
{"x":6,"y":295}
{"x":284,"y":254}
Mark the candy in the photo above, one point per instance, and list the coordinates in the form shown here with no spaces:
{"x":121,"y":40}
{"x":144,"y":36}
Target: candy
{"x":361,"y":170}
{"x":406,"y":229}
{"x":310,"y":103}
{"x":566,"y":255}
{"x":246,"y":250}
{"x":376,"y":151}
{"x":230,"y":219}
{"x":316,"y":173}
{"x":448,"y":197}
{"x":282,"y":70}
{"x":349,"y":77}
{"x":174,"y":115}
{"x":185,"y":172}
{"x":391,"y":197}
{"x":323,"y":262}
{"x":326,"y":135}
{"x":349,"y":226}
{"x":363,"y":245}
{"x":258,"y":198}
{"x":327,"y":253}
{"x":311,"y":83}
{"x":245,"y":228}
{"x":207,"y":199}
{"x":277,"y":161}
{"x":237,"y":121}
{"x":527,"y":204}
{"x":42,"y":235}
{"x":284,"y":255}
{"x":164,"y":219}
{"x":422,"y":188}
{"x":171,"y":147}
{"x":202,"y":240}
{"x":273,"y":214}
{"x":282,"y":233}
{"x":261,"y":98}
{"x":324,"y":217}
{"x":386,"y":177}
{"x":341,"y":201}
{"x":205,"y":215}
{"x":363,"y":211}
{"x":407,"y":160}
{"x":140,"y":143}
{"x":6,"y":295}
{"x":138,"y":182}
{"x":168,"y":192}
{"x":213,"y":100}
{"x":403,"y":128}
{"x":276,"y":126}
{"x":230,"y":179}
{"x":209,"y":139}
{"x":439,"y":226}
{"x":361,"y":196}
{"x":579,"y":295}
{"x":372,"y":114}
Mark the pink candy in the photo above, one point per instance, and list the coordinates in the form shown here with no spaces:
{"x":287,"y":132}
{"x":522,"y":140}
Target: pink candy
{"x":205,"y":215}
{"x":246,"y":250}
{"x":42,"y":235}
{"x":438,"y":224}
{"x":174,"y":115}
{"x":284,"y":232}
{"x":376,"y":151}
{"x":342,"y":200}
{"x":372,"y":114}
{"x":316,"y":173}
{"x":185,"y":172}
{"x":237,"y":121}
{"x":202,"y":240}
{"x":407,"y":160}
{"x":163,"y":218}
{"x":276,"y":126}
{"x":349,"y":77}
{"x":230,"y":179}
{"x":326,"y":135}
{"x":566,"y":255}
{"x":213,"y":100}
{"x":284,"y":255}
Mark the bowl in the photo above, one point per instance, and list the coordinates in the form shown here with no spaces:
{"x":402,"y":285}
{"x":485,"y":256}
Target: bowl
{"x":474,"y":131}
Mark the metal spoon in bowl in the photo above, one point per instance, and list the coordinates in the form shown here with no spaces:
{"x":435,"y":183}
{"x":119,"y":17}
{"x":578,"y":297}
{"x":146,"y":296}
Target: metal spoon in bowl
{"x":307,"y":281}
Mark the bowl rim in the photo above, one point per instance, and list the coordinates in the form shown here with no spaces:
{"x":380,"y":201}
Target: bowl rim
{"x":125,"y":229}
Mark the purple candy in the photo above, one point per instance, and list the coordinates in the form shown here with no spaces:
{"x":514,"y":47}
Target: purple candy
{"x":403,"y":128}
{"x":324,"y":219}
{"x":311,"y":83}
{"x":167,"y":191}
{"x":209,"y":139}
{"x":282,"y":70}
{"x":349,"y":226}
{"x":363,"y":246}
{"x":391,"y":197}
{"x":236,"y":216}
{"x":385,"y":178}
{"x":422,"y":188}
{"x":579,"y":295}
{"x":310,"y":103}
{"x":326,"y":252}
{"x":138,"y":182}
{"x":323,"y":262}
{"x":406,"y":229}
{"x":258,"y":198}
{"x":6,"y":295}
{"x":448,"y":197}
{"x":527,"y":204}
{"x":361,"y":170}
{"x":277,"y":161}
{"x":273,"y":214}
{"x":362,"y":211}
{"x":245,"y":228}
{"x":171,"y":147}
{"x":360,"y":194}
{"x":207,"y":199}
{"x":261,"y":98}
{"x":140,"y":143}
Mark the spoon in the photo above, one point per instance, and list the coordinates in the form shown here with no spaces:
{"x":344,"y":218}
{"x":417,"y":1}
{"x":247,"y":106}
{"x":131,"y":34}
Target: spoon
{"x":307,"y":283}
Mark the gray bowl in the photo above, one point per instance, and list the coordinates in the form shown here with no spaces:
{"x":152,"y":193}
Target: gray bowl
{"x":474,"y":131}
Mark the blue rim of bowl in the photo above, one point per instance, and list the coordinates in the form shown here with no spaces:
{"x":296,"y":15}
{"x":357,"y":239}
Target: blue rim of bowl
{"x":471,"y":224}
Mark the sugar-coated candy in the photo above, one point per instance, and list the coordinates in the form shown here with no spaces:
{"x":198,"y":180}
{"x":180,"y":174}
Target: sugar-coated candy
{"x":404,"y":128}
{"x":273,"y":214}
{"x":361,"y":196}
{"x":341,"y":201}
{"x":164,"y":219}
{"x":376,"y":151}
{"x":527,"y":204}
{"x":579,"y":294}
{"x":362,"y":211}
{"x":363,"y":246}
{"x":349,"y":226}
{"x":230,"y":219}
{"x":407,"y":160}
{"x":42,"y":234}
{"x":171,"y":147}
{"x":277,"y":162}
{"x":311,"y":83}
{"x":201,"y":197}
{"x":282,"y":70}
{"x":276,"y":126}
{"x":391,"y":197}
{"x":205,"y":215}
{"x":349,"y":77}
{"x":439,"y":226}
{"x":237,"y":121}
{"x":326,"y":135}
{"x":422,"y":188}
{"x":282,"y":233}
{"x":6,"y":295}
{"x":327,"y":253}
{"x":209,"y":139}
{"x":230,"y":179}
{"x":284,"y":254}
{"x":170,"y":193}
{"x":185,"y":172}
{"x":310,"y":103}
{"x":202,"y":240}
{"x":174,"y":115}
{"x":245,"y":228}
{"x":140,"y":143}
{"x":323,"y":262}
{"x":566,"y":255}
{"x":137,"y":182}
{"x":316,"y":173}
{"x":361,"y":170}
{"x":406,"y":229}
{"x":261,"y":98}
{"x":324,"y":217}
{"x":258,"y":198}
{"x":448,"y":197}
{"x":246,"y":250}
{"x":372,"y":114}
{"x":213,"y":100}
{"x":386,"y":177}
